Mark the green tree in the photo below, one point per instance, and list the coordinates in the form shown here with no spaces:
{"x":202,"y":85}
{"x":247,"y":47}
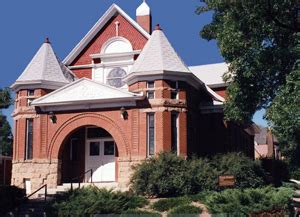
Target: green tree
{"x":256,"y":38}
{"x":6,"y":137}
{"x":5,"y":98}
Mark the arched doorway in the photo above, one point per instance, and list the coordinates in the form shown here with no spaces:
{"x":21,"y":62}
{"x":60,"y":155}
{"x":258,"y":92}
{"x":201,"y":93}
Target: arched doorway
{"x":89,"y":148}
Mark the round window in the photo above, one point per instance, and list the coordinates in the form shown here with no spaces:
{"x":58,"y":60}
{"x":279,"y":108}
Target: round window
{"x":115,"y":77}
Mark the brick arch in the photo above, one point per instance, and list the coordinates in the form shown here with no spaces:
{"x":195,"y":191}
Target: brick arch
{"x":84,"y":120}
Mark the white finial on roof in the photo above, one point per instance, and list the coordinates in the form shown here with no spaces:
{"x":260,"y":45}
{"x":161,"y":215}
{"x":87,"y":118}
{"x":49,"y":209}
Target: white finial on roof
{"x":143,"y":9}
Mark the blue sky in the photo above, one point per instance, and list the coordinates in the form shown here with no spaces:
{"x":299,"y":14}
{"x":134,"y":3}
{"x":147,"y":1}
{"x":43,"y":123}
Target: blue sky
{"x":25,"y":24}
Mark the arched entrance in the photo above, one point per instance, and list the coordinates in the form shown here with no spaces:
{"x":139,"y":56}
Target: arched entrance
{"x":89,"y":148}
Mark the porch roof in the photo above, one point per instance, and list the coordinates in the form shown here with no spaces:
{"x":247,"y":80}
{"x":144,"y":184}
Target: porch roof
{"x":84,"y":93}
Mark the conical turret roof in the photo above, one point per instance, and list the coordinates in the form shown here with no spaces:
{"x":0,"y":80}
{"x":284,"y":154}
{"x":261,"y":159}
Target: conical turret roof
{"x":45,"y":71}
{"x":159,"y":55}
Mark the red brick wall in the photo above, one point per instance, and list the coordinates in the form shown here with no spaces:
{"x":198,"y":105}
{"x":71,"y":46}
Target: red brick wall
{"x":145,"y":22}
{"x":221,"y":91}
{"x":126,"y":30}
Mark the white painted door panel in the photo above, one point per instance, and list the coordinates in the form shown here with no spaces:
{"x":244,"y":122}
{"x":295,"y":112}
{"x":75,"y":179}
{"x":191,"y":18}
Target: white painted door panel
{"x":100,"y":157}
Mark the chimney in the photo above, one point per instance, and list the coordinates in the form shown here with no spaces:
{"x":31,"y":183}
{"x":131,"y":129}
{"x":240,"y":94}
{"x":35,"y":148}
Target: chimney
{"x":143,"y":17}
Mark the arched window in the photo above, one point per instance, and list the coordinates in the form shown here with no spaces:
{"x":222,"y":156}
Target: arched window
{"x":115,"y":77}
{"x":116,"y":45}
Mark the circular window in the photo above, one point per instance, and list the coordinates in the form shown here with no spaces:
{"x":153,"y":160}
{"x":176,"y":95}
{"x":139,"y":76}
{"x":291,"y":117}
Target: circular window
{"x":115,"y":77}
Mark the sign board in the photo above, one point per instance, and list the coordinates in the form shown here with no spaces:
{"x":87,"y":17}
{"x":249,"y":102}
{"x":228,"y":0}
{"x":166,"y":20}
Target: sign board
{"x":226,"y":181}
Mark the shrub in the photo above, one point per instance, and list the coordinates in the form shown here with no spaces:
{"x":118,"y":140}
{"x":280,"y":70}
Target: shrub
{"x":163,"y":175}
{"x":203,"y":175}
{"x":278,"y":170}
{"x":186,"y":210}
{"x":137,"y":212}
{"x":248,"y":201}
{"x":248,"y":173}
{"x":10,"y":197}
{"x":92,"y":200}
{"x":169,"y":203}
{"x":169,"y":175}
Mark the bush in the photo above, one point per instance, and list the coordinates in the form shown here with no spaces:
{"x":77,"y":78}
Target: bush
{"x":163,"y":175}
{"x":10,"y":197}
{"x":92,"y":200}
{"x":186,"y":210}
{"x":169,"y":175}
{"x":248,"y":201}
{"x":248,"y":173}
{"x":137,"y":212}
{"x":169,"y":203}
{"x":278,"y":170}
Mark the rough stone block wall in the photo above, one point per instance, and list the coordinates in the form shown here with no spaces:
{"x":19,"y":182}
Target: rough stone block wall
{"x":125,"y":170}
{"x":39,"y":172}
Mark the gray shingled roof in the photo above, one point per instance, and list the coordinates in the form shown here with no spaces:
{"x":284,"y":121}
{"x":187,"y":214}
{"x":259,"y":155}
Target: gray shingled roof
{"x":159,"y":55}
{"x":45,"y":67}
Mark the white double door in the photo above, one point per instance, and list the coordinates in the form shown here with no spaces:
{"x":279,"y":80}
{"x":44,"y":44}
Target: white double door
{"x":100,"y":158}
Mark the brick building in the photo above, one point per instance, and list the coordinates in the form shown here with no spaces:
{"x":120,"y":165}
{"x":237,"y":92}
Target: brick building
{"x":123,"y":94}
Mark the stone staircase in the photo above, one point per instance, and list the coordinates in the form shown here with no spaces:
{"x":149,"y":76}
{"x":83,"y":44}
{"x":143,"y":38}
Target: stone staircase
{"x":35,"y":206}
{"x":67,"y":186}
{"x":296,"y":203}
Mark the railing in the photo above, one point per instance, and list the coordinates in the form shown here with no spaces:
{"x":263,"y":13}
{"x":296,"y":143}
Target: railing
{"x":79,"y":177}
{"x":40,"y":188}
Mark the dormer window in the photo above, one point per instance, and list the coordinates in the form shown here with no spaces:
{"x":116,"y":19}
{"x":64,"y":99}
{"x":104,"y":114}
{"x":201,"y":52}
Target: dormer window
{"x":115,"y":77}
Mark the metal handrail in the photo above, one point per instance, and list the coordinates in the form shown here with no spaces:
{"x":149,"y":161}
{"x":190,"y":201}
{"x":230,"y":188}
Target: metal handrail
{"x":44,"y":186}
{"x":82,"y":175}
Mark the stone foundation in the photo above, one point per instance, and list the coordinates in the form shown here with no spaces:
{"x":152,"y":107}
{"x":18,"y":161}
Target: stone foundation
{"x":125,"y":171}
{"x":42,"y":172}
{"x":39,"y":172}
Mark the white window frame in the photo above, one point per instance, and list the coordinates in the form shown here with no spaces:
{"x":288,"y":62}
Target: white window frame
{"x":176,"y":90}
{"x":151,"y":89}
{"x":148,"y":137}
{"x":177,"y":125}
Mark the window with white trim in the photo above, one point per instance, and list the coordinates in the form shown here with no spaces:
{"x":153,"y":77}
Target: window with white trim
{"x":174,"y":132}
{"x":30,"y":97}
{"x":115,"y":77}
{"x":29,"y":139}
{"x":175,"y":89}
{"x":150,"y":134}
{"x":150,"y":90}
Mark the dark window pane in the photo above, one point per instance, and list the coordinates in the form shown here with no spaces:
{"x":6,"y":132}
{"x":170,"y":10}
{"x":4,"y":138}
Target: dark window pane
{"x":94,"y":148}
{"x":109,"y":148}
{"x":30,"y":92}
{"x":29,"y":139}
{"x":151,"y":134}
{"x":174,"y":132}
{"x":96,"y":132}
{"x":174,"y":94}
{"x":174,"y":84}
{"x":150,"y":94}
{"x":151,"y":84}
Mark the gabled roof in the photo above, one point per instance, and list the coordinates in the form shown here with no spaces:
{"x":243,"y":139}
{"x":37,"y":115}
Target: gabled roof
{"x":97,"y":27}
{"x":45,"y":71}
{"x":85,"y":91}
{"x":159,"y":55}
{"x":211,"y":74}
